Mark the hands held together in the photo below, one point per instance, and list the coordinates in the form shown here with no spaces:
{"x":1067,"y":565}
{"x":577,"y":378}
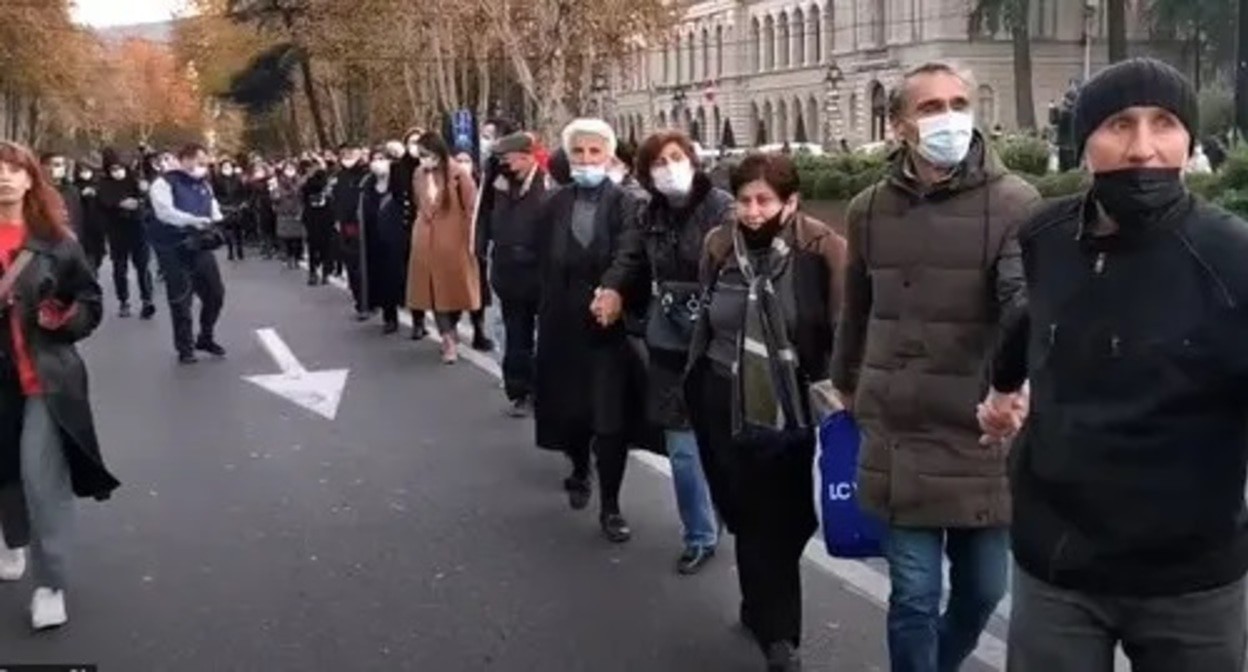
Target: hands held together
{"x":54,"y":315}
{"x":1001,"y":415}
{"x":606,"y":306}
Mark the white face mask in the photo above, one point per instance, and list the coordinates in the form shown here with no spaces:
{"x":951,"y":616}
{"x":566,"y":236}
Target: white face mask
{"x":380,"y":167}
{"x":198,"y":172}
{"x":85,"y":175}
{"x":413,"y":150}
{"x":945,"y":139}
{"x":429,"y":162}
{"x":58,"y":172}
{"x":349,"y":163}
{"x":674,"y":179}
{"x":290,"y":172}
{"x":257,"y":176}
{"x":227,"y":170}
{"x":117,"y":174}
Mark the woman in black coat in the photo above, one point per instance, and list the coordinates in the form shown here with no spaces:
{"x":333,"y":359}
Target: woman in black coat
{"x":386,"y":243}
{"x":661,"y":265}
{"x":48,"y":448}
{"x":588,"y":381}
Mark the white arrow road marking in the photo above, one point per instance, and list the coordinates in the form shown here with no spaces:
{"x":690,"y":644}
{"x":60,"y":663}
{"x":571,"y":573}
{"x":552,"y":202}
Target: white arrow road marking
{"x":317,"y":391}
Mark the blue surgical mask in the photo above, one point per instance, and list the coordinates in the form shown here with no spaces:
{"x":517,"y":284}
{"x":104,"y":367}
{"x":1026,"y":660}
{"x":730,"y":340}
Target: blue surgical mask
{"x":945,"y":139}
{"x":589,"y":177}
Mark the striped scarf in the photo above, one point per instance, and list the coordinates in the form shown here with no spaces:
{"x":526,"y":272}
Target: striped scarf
{"x":766,"y":388}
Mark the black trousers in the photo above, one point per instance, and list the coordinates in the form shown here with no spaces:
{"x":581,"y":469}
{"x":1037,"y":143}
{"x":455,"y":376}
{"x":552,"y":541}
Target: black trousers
{"x":320,"y":254}
{"x":610,"y":453}
{"x":188,"y":275}
{"x":764,"y":495}
{"x":235,"y":229}
{"x":292,"y":251}
{"x":349,"y":257}
{"x":520,"y":327}
{"x":127,"y":248}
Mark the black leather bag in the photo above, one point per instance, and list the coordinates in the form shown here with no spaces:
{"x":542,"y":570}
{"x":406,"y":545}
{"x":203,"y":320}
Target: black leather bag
{"x":672,"y":316}
{"x":203,"y":240}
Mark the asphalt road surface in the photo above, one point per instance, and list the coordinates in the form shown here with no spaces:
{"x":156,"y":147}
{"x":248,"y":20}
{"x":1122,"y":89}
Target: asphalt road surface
{"x":419,"y":529}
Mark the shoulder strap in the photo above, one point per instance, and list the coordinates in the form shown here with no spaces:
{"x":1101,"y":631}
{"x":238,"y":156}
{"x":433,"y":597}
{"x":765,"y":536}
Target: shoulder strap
{"x":14,"y":272}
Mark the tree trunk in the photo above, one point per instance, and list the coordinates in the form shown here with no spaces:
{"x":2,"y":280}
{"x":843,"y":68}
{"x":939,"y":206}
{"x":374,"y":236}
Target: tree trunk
{"x":296,"y":136}
{"x":314,"y":103}
{"x":409,"y":87}
{"x":335,"y":108}
{"x":1116,"y":24}
{"x":483,"y":81}
{"x":1024,"y":100}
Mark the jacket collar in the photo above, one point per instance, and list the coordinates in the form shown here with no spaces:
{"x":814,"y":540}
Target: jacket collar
{"x":982,"y":165}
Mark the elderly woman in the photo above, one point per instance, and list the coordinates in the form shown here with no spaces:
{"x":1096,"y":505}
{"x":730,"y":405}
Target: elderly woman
{"x":586,"y":380}
{"x":773,"y":285}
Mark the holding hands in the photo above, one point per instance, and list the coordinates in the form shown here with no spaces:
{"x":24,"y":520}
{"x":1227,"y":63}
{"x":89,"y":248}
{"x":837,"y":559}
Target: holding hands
{"x":1001,"y":415}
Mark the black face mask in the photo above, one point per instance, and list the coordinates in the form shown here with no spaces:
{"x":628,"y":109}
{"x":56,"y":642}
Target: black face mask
{"x":1139,"y":196}
{"x":761,"y":237}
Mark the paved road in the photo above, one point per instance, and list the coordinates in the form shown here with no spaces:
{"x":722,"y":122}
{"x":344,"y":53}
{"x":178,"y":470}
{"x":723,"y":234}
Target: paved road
{"x":419,"y":530}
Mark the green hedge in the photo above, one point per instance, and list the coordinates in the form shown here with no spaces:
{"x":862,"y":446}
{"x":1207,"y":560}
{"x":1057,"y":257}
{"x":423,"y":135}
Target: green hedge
{"x":840,"y":177}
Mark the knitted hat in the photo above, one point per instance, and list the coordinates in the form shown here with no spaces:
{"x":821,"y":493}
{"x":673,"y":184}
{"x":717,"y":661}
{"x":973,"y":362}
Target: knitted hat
{"x":516,"y":142}
{"x":1131,"y":83}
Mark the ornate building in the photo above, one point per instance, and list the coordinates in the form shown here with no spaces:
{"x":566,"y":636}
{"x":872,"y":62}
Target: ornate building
{"x":816,"y":70}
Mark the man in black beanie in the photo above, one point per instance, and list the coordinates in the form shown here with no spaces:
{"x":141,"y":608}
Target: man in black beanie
{"x":1128,"y":479}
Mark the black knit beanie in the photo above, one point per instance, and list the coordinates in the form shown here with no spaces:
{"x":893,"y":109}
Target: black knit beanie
{"x":1130,"y":83}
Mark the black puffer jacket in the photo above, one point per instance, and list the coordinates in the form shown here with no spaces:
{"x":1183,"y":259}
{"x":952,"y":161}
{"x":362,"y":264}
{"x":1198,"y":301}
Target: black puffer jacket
{"x":666,"y":247}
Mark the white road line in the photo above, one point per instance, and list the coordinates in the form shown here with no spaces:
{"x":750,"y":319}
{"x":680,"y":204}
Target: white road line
{"x":856,"y":575}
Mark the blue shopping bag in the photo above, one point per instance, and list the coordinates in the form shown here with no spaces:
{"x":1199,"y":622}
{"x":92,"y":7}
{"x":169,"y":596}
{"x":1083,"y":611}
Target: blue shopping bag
{"x":847,"y":531}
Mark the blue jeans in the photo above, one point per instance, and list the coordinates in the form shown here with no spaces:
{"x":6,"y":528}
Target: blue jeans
{"x":920,"y":638}
{"x":693,"y":497}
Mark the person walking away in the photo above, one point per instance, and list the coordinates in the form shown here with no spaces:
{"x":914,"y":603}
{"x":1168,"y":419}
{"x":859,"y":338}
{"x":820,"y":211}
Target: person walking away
{"x":93,"y":219}
{"x":764,"y":337}
{"x":442,"y":274}
{"x":228,"y":187}
{"x":347,"y":210}
{"x":186,"y":212}
{"x":49,"y":453}
{"x":121,"y":202}
{"x":507,"y":232}
{"x":288,"y":206}
{"x":387,"y":242}
{"x":402,"y":172}
{"x":1128,"y":479}
{"x":933,"y":265}
{"x":661,"y":262}
{"x":318,"y":222}
{"x":588,"y":383}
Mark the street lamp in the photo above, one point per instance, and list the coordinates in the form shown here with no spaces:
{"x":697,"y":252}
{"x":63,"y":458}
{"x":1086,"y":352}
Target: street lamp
{"x":598,"y":88}
{"x":832,"y":106}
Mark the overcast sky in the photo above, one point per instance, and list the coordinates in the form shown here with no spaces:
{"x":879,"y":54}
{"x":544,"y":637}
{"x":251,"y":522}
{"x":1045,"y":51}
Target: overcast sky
{"x":121,"y":12}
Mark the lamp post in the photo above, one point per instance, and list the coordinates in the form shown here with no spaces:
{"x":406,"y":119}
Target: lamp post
{"x":598,"y":88}
{"x":832,"y":128}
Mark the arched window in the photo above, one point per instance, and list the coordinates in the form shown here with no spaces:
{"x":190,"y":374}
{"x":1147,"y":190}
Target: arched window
{"x":768,"y":126}
{"x":719,"y":51}
{"x":677,"y":70}
{"x":755,"y":122}
{"x":879,"y":111}
{"x":698,"y":132}
{"x":783,"y":132}
{"x":706,"y":54}
{"x":813,"y":127}
{"x":756,"y":46}
{"x":829,"y":28}
{"x":783,"y":45}
{"x":799,"y":38}
{"x":716,"y":134}
{"x":815,"y":26}
{"x":986,"y":106}
{"x":769,"y":44}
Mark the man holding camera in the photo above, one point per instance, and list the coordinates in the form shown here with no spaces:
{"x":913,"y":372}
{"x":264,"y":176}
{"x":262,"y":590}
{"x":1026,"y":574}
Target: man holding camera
{"x":185,"y":237}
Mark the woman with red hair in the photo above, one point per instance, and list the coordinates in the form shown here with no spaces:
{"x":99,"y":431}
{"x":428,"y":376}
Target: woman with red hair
{"x":49,"y":300}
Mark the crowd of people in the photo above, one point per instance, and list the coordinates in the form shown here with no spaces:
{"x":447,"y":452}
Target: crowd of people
{"x":1058,"y":378}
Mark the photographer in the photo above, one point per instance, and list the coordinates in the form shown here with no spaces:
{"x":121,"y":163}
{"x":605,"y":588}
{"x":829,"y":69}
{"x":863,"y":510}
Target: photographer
{"x":185,"y":238}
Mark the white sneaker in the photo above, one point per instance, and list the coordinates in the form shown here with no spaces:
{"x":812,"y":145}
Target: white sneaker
{"x":12,"y":563}
{"x":47,"y":609}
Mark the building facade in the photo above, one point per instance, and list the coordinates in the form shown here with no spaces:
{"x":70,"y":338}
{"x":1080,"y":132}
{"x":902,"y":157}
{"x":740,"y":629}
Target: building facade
{"x":774,"y":71}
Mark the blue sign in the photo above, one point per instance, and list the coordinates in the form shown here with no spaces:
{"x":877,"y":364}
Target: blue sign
{"x":462,"y":128}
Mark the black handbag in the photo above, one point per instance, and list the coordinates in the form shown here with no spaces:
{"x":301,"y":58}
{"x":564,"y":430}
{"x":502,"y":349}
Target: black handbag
{"x":672,"y":315}
{"x":203,"y":240}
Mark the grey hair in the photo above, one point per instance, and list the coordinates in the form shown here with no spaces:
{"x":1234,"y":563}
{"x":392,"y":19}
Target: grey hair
{"x":897,"y":97}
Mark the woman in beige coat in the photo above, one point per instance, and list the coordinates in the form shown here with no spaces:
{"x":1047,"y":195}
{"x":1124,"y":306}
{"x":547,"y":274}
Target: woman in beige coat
{"x":442,"y":272}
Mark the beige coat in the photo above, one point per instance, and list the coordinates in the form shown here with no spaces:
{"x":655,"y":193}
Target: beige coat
{"x":442,"y":269}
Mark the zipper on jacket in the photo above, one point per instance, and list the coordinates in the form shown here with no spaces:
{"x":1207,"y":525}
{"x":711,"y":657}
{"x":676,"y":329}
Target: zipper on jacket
{"x":1099,"y":266}
{"x":1057,"y":553}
